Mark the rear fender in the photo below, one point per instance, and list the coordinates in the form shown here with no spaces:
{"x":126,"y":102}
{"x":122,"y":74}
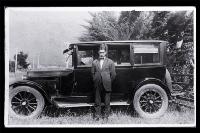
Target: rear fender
{"x":152,"y":81}
{"x":168,"y":80}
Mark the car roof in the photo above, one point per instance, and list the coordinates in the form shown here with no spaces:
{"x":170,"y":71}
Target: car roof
{"x":116,"y":42}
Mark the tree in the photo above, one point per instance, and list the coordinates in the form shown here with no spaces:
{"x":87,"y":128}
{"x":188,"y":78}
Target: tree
{"x":102,"y":27}
{"x":21,"y":60}
{"x":105,"y":26}
{"x":143,"y":25}
{"x":158,"y":26}
{"x":127,"y":29}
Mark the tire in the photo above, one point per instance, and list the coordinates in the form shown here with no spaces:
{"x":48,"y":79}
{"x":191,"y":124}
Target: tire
{"x":25,"y":102}
{"x":150,"y":101}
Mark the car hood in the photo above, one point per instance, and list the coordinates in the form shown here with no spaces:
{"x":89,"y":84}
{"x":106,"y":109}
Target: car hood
{"x":49,"y":73}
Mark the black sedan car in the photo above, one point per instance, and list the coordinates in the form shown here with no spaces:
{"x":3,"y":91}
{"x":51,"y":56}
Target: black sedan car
{"x":142,"y":80}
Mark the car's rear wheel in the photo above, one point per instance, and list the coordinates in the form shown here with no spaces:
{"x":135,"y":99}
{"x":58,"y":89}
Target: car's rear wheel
{"x":150,"y":101}
{"x":25,"y":102}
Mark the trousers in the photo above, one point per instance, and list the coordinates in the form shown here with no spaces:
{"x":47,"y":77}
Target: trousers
{"x":102,"y":96}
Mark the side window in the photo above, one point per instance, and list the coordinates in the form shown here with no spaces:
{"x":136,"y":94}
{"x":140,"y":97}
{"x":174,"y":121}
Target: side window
{"x":86,"y":55}
{"x":146,"y":54}
{"x":120,"y":54}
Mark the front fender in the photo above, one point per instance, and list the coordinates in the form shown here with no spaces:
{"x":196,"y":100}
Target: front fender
{"x":31,"y":84}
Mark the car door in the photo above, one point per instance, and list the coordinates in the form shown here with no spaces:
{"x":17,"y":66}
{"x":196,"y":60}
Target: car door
{"x":120,"y":54}
{"x":83,"y":77}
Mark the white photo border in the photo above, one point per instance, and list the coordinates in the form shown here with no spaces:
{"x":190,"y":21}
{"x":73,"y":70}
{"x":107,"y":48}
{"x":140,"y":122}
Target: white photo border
{"x":139,"y":8}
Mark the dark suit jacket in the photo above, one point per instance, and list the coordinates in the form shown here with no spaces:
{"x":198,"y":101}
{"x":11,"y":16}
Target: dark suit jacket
{"x":105,"y":75}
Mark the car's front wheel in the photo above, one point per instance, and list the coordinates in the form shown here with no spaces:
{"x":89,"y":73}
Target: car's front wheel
{"x":150,"y":101}
{"x":25,"y":102}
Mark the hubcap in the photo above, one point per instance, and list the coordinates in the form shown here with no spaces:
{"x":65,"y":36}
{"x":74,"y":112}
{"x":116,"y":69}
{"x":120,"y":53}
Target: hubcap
{"x":150,"y":101}
{"x":24,"y":103}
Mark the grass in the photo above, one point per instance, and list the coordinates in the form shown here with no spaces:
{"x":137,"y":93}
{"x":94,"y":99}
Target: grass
{"x":118,"y":115}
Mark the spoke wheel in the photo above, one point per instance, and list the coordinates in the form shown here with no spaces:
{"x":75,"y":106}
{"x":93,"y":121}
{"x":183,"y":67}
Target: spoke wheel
{"x":25,"y":102}
{"x":150,"y":101}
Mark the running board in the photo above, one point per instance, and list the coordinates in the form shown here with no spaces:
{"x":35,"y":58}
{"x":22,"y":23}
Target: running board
{"x":67,"y":105}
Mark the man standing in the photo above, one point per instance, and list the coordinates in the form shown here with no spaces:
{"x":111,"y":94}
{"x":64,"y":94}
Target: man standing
{"x":103,"y":73}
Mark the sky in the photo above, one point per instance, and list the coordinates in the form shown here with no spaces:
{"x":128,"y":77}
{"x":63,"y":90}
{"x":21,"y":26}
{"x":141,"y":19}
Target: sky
{"x":43,"y":33}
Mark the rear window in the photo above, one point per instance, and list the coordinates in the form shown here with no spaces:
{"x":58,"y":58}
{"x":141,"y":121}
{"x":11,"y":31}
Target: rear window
{"x":146,"y":54}
{"x":120,"y":54}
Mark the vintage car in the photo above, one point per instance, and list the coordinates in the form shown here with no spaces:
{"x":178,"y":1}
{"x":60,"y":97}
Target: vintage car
{"x":142,"y":80}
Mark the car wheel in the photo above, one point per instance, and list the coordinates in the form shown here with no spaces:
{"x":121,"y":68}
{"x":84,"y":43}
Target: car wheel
{"x":25,"y":102}
{"x":150,"y":101}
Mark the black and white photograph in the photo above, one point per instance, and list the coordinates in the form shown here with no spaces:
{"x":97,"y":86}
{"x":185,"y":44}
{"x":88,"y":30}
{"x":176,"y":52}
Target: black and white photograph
{"x":100,"y":66}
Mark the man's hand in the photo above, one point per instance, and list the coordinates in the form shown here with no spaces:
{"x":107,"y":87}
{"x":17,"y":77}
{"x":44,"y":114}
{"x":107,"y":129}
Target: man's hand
{"x":93,"y":70}
{"x":112,"y":71}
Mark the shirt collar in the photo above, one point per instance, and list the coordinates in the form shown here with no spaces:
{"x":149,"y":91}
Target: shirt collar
{"x":102,"y":59}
